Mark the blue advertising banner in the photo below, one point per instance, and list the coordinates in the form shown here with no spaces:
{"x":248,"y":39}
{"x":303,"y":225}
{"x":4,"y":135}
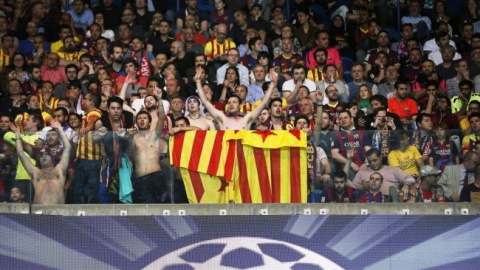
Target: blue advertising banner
{"x":240,"y":242}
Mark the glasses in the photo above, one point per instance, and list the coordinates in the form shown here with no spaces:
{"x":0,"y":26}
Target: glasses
{"x":107,"y":85}
{"x":17,"y":59}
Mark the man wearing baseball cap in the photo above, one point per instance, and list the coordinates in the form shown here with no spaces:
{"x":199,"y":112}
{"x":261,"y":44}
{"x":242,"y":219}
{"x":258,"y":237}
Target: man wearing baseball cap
{"x":427,"y":190}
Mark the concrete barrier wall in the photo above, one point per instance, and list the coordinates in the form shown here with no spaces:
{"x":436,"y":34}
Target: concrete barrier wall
{"x":246,"y":209}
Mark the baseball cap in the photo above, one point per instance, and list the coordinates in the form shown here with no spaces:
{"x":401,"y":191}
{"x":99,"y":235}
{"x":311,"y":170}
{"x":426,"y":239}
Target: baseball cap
{"x":428,"y":170}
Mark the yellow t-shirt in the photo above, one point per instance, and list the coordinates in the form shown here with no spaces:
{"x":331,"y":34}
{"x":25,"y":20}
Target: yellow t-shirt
{"x":9,"y":138}
{"x":464,"y":124}
{"x":55,"y":46}
{"x":406,"y":161}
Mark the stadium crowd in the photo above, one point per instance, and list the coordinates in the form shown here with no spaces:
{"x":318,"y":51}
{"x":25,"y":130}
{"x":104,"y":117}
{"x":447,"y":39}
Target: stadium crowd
{"x":88,"y":86}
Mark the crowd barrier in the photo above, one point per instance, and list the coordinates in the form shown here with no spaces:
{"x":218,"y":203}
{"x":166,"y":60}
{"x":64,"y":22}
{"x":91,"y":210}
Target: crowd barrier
{"x":248,"y":166}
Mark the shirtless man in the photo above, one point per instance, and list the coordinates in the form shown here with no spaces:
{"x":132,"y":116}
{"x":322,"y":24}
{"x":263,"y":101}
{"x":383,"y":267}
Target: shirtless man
{"x":48,"y":181}
{"x":196,"y":116}
{"x":150,"y":183}
{"x":236,"y":122}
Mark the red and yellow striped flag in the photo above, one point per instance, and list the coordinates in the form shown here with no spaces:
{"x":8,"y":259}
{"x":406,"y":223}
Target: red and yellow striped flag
{"x":244,"y":166}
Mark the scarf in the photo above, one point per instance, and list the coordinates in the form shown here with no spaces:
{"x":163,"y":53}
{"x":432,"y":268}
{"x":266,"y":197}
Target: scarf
{"x":145,"y":69}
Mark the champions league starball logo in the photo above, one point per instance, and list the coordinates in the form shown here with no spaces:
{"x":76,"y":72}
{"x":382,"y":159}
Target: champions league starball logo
{"x":242,"y":253}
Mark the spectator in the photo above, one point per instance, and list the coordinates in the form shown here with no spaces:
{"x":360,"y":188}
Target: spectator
{"x":427,"y":190}
{"x":457,"y":177}
{"x":401,"y":105}
{"x":373,"y":195}
{"x":405,"y":156}
{"x":443,"y":150}
{"x":472,"y":192}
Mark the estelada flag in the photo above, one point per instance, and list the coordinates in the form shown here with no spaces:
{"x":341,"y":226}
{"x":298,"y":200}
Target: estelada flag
{"x":245,"y":166}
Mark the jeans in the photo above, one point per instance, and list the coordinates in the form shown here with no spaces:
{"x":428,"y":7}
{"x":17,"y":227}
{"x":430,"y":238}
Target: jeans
{"x":86,"y":182}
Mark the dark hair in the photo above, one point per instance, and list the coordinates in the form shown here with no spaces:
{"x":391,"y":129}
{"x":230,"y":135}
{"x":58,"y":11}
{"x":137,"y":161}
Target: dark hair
{"x":420,"y":117}
{"x":340,"y":174}
{"x":252,"y":41}
{"x":61,"y":109}
{"x":270,"y":104}
{"x":71,"y":66}
{"x":146,"y":113}
{"x":298,"y":117}
{"x":398,"y":82}
{"x":75,"y":83}
{"x":182,"y":118}
{"x":38,"y":119}
{"x":476,"y":114}
{"x":114,"y":99}
{"x":237,"y":81}
{"x":129,"y":60}
{"x":95,"y":99}
{"x":467,"y":83}
{"x":373,"y":151}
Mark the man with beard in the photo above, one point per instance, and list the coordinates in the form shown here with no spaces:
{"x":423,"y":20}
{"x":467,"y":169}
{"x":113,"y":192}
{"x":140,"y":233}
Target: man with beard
{"x":413,"y":66}
{"x":401,"y":105}
{"x":334,"y":106}
{"x":316,"y":74}
{"x":71,"y":72}
{"x":183,"y":60}
{"x":427,"y":73}
{"x":194,"y":111}
{"x":124,"y":38}
{"x":441,"y":112}
{"x":32,"y":85}
{"x":400,"y":46}
{"x":116,"y":54}
{"x":111,"y":127}
{"x":237,"y":32}
{"x":71,"y":54}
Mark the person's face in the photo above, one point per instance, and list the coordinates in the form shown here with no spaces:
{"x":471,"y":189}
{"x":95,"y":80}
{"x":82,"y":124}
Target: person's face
{"x":4,"y":123}
{"x":358,"y":72}
{"x":104,"y":103}
{"x":374,"y":162}
{"x":465,"y":91}
{"x":47,"y":90}
{"x":137,"y":45}
{"x":103,"y":75}
{"x":193,"y":105}
{"x":402,"y":91}
{"x":473,"y":107}
{"x":38,"y":42}
{"x":219,"y":5}
{"x":189,"y":34}
{"x":258,"y":46}
{"x":305,"y":107}
{"x":279,"y":19}
{"x":345,"y":121}
{"x":140,"y":3}
{"x":363,"y":16}
{"x":471,"y":163}
{"x":391,"y":72}
{"x":412,"y":44}
{"x":99,"y":18}
{"x":375,"y":181}
{"x":29,"y":123}
{"x":32,"y":28}
{"x":151,"y":87}
{"x":175,"y":49}
{"x":325,"y":120}
{"x":192,"y":4}
{"x":331,"y":71}
{"x":373,"y":29}
{"x":39,"y":11}
{"x":16,"y":195}
{"x":101,"y":45}
{"x":263,"y":61}
{"x":475,"y":123}
{"x":302,"y":17}
{"x":161,"y":59}
{"x":415,"y":57}
{"x":323,"y":41}
{"x":130,"y":68}
{"x":34,"y":103}
{"x":74,"y":121}
{"x":115,"y":110}
{"x":447,"y":55}
{"x":462,"y":66}
{"x":414,"y":8}
{"x":207,"y":91}
{"x":259,"y":73}
{"x":440,"y":132}
{"x":337,"y":21}
{"x":181,"y":123}
{"x":287,"y":32}
{"x":60,"y":117}
{"x":164,"y":28}
{"x":364,"y":93}
{"x":71,"y":74}
{"x":176,"y":105}
{"x":142,"y":92}
{"x":321,"y":58}
{"x":78,"y":6}
{"x":172,"y":87}
{"x":150,"y":103}
{"x":70,"y":45}
{"x":382,"y":117}
{"x":382,"y":59}
{"x":263,"y":116}
{"x":303,"y":92}
{"x":427,"y":68}
{"x":52,"y":138}
{"x":339,"y":184}
{"x":332,"y":93}
{"x":231,"y":75}
{"x":407,"y":32}
{"x":124,"y":32}
{"x":221,"y":32}
{"x":276,"y":109}
{"x":353,"y":110}
{"x":467,"y":32}
{"x":143,"y":122}
{"x":128,"y":16}
{"x":117,"y":54}
{"x":232,"y":57}
{"x":241,"y":92}
{"x":426,"y":123}
{"x":95,"y":31}
{"x":239,"y":18}
{"x":302,"y":124}
{"x":443,"y":41}
{"x":298,"y":75}
{"x":233,"y":105}
{"x":53,"y":60}
{"x":200,"y":60}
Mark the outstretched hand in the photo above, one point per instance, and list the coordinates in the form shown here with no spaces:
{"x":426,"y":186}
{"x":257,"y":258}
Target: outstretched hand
{"x":273,"y":75}
{"x":13,"y":127}
{"x":56,"y":125}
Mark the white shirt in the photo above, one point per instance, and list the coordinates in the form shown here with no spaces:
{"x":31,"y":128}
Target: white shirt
{"x":289,"y":85}
{"x":436,"y":57}
{"x":242,"y":71}
{"x":431,"y":45}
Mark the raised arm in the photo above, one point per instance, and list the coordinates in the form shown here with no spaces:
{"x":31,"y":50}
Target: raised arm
{"x":64,"y":160}
{"x":211,"y":109}
{"x":29,"y":167}
{"x":130,"y":79}
{"x":161,"y":111}
{"x":255,"y":113}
